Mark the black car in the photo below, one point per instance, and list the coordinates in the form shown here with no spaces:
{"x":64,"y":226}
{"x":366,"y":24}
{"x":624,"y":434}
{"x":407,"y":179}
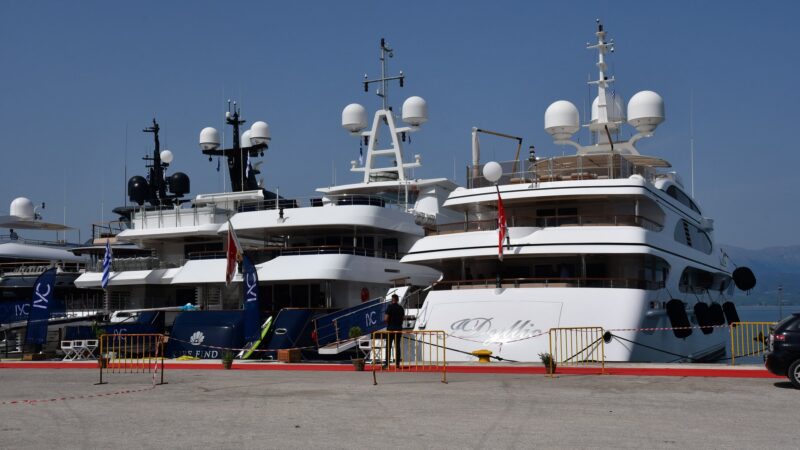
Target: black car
{"x":784,"y":349}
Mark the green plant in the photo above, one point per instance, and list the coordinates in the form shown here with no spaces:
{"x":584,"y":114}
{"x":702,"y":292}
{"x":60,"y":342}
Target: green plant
{"x":548,"y":361}
{"x":227,"y":359}
{"x":355,"y":332}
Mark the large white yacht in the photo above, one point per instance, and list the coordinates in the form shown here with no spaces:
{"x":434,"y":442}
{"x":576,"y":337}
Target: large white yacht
{"x":332,"y":251}
{"x":605,"y":237}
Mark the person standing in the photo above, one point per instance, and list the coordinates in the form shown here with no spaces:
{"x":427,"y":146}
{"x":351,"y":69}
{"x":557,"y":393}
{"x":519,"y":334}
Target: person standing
{"x":395,"y":314}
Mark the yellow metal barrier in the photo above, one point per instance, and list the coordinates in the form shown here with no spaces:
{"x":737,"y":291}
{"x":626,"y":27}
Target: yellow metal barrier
{"x":408,"y":351}
{"x":132,"y":353}
{"x":749,"y":339}
{"x":576,"y":346}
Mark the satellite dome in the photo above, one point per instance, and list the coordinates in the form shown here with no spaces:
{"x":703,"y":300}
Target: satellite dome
{"x":561,"y":120}
{"x":415,"y":111}
{"x":614,"y":105}
{"x":244,"y":139}
{"x":354,"y":118}
{"x":209,"y":138}
{"x":645,"y":111}
{"x":138,"y":190}
{"x":259,"y":133}
{"x":23,"y":208}
{"x":179,"y":183}
{"x":166,"y":156}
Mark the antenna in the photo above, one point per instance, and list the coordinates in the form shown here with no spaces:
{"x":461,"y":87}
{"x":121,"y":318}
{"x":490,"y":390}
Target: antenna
{"x":691,"y":134}
{"x":606,"y":114}
{"x":383,"y":93}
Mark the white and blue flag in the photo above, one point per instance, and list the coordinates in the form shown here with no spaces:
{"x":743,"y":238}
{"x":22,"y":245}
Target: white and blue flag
{"x":360,"y":156}
{"x":106,"y":265}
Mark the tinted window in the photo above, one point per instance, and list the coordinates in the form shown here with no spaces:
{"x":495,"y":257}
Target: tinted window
{"x":692,"y":236}
{"x":680,"y":196}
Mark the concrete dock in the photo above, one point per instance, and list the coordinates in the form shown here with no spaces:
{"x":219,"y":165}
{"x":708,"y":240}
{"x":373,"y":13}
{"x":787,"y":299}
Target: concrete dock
{"x":310,"y":409}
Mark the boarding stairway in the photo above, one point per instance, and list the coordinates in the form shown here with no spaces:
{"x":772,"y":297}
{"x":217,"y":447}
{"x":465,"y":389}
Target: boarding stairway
{"x":333,"y":330}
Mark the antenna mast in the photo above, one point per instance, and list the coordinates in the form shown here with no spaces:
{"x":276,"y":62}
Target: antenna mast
{"x":383,"y":92}
{"x":604,"y":124}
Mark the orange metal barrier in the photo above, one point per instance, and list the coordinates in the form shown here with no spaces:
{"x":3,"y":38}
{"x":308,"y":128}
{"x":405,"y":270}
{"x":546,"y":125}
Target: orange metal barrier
{"x":408,"y":351}
{"x":132,"y":353}
{"x":577,"y":346}
{"x":749,"y":339}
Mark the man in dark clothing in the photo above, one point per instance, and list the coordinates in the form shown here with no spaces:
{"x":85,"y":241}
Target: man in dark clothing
{"x":395,"y":314}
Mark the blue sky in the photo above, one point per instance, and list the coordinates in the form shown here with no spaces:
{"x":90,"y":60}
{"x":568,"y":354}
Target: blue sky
{"x":75,"y":76}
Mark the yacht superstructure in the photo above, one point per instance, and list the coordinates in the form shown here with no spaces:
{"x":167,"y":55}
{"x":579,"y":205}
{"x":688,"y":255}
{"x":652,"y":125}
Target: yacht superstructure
{"x":331,"y":251}
{"x":604,"y":237}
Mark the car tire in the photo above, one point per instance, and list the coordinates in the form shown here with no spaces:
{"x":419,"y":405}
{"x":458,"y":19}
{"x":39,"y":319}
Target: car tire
{"x":794,"y":374}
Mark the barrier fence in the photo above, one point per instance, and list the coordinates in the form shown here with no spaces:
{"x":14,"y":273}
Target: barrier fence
{"x":576,"y":346}
{"x":132,"y":353}
{"x":409,"y":351}
{"x":749,"y":339}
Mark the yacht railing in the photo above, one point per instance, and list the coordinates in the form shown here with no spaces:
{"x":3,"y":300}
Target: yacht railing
{"x":327,"y":200}
{"x":563,"y":168}
{"x":547,"y":222}
{"x":108,"y":229}
{"x":258,"y":255}
{"x":14,"y":238}
{"x":37,"y":267}
{"x":550,"y":282}
{"x":176,"y":216}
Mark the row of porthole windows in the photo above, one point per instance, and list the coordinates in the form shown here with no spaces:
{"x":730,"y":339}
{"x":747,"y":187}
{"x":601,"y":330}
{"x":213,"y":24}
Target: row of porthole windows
{"x":692,"y":236}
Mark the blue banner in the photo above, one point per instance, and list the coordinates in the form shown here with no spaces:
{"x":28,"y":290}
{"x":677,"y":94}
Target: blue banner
{"x":39,"y":311}
{"x":252,"y":304}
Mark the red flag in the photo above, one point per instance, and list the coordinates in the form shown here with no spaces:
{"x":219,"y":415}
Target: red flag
{"x":233,"y":254}
{"x":502,"y":225}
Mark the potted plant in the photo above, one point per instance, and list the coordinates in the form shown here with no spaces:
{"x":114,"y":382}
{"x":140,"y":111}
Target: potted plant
{"x":549,"y":362}
{"x":227,"y":360}
{"x":358,"y":362}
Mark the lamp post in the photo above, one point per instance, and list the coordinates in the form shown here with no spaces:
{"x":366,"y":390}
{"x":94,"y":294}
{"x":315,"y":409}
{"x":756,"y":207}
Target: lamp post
{"x":492,"y":171}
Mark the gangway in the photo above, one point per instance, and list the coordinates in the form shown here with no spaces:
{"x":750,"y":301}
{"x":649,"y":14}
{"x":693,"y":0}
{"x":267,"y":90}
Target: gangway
{"x":333,"y":330}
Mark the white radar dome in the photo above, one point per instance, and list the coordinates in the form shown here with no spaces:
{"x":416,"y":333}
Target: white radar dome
{"x":244,"y":139}
{"x":354,"y":118}
{"x":561,"y":120}
{"x":615,"y":106}
{"x":259,"y":133}
{"x":209,"y":138}
{"x":492,"y":171}
{"x":645,"y":111}
{"x":415,"y":111}
{"x":166,"y":156}
{"x":22,"y":207}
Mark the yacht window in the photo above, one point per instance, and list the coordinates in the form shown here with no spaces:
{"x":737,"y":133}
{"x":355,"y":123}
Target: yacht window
{"x":692,"y":236}
{"x":697,"y":281}
{"x":680,"y":196}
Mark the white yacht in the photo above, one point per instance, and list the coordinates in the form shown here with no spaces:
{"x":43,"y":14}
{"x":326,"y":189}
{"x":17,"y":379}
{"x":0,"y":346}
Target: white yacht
{"x":605,"y":237}
{"x":23,"y":259}
{"x":329,"y":252}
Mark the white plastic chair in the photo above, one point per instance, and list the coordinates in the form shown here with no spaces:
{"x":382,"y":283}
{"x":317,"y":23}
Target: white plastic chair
{"x":68,"y":347}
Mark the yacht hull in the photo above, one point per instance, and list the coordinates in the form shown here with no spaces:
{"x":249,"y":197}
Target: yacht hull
{"x":513,"y":323}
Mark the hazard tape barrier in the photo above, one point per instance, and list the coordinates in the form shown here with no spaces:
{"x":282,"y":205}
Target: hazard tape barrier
{"x":132,"y":353}
{"x":576,"y":346}
{"x":749,"y":339}
{"x":409,"y":351}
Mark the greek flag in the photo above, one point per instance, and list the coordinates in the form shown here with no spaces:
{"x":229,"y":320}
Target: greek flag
{"x":106,"y":265}
{"x":360,"y":156}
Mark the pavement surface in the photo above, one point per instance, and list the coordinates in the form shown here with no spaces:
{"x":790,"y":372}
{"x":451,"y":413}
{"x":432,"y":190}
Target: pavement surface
{"x":244,"y":409}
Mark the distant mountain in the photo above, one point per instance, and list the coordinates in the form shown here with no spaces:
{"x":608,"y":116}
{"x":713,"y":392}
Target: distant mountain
{"x":773,"y":267}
